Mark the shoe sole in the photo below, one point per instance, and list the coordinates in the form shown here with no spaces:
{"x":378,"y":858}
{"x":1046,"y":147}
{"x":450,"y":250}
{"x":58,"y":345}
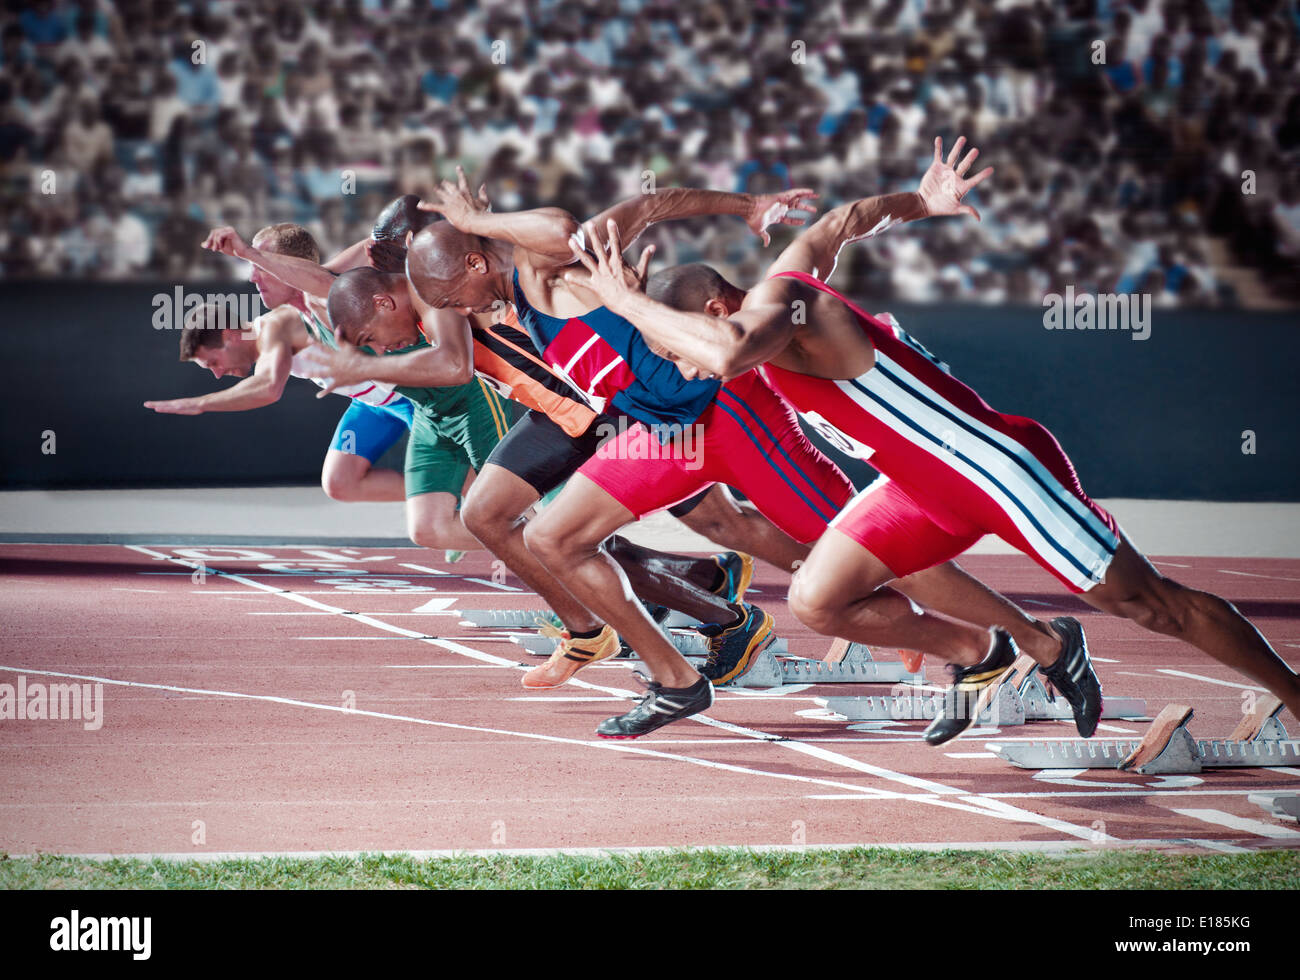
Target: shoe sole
{"x":551,"y":687}
{"x":763,"y":638}
{"x":1073,"y":625}
{"x":656,"y":728}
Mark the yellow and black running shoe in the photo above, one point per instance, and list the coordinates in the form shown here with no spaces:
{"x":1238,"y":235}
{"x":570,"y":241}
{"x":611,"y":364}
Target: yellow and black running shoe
{"x":732,"y":650}
{"x":737,"y":572}
{"x":957,"y":711}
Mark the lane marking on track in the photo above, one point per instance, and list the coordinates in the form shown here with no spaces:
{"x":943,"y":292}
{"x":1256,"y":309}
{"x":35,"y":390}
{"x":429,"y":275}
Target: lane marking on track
{"x":1275,"y":578}
{"x":610,"y":746}
{"x":1116,"y":729}
{"x":494,"y":585}
{"x":1211,"y":680}
{"x":1233,"y":822}
{"x":793,"y":745}
{"x":423,"y":568}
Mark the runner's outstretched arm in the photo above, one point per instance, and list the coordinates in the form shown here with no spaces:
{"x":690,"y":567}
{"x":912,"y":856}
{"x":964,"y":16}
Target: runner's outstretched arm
{"x":263,"y":387}
{"x":447,"y":362}
{"x":545,"y":232}
{"x":940,"y":192}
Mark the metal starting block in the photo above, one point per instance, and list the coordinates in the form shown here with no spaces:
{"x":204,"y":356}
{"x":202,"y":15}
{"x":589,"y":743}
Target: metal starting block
{"x":1259,"y":740}
{"x":504,"y":618}
{"x":688,"y":644}
{"x":844,"y":663}
{"x":1278,"y":804}
{"x":1017,"y":698}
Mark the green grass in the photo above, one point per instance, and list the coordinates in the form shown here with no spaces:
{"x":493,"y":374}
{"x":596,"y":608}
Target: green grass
{"x":723,"y":869}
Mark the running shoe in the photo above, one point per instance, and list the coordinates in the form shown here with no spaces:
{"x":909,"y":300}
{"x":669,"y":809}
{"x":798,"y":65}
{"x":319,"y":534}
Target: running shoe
{"x":957,"y":710}
{"x":732,"y":650}
{"x":659,"y":706}
{"x":737,"y":571}
{"x":1072,"y":675}
{"x":570,"y":656}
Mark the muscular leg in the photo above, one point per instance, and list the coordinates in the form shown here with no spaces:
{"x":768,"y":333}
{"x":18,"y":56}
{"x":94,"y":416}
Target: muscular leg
{"x":840,"y":591}
{"x":1134,"y":590}
{"x":494,"y":512}
{"x":723,"y":519}
{"x":352,"y":478}
{"x":432,"y":522}
{"x":676,"y":581}
{"x":567,"y":539}
{"x":950,"y":590}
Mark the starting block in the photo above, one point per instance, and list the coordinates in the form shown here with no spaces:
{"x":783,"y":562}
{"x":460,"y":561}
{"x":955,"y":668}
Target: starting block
{"x":504,"y":619}
{"x":1278,"y":804}
{"x":688,"y":644}
{"x":844,"y":663}
{"x":1017,"y":698}
{"x":1259,"y":740}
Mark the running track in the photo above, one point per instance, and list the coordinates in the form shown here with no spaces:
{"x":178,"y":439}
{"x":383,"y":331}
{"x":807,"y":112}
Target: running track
{"x":225,"y":727}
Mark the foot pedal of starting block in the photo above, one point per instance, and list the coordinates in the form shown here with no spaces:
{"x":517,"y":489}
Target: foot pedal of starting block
{"x":1039,"y":708}
{"x":503,"y":618}
{"x":688,"y":644}
{"x":1167,"y":747}
{"x":847,"y":663}
{"x":1278,"y":804}
{"x":1003,"y":710}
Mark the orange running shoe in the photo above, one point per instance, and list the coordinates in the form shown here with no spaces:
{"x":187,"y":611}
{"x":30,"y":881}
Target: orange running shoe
{"x":570,"y":656}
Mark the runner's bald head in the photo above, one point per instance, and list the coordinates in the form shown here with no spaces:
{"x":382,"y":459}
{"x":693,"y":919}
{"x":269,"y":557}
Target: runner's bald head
{"x":691,"y":288}
{"x":352,"y":305}
{"x":438,"y":260}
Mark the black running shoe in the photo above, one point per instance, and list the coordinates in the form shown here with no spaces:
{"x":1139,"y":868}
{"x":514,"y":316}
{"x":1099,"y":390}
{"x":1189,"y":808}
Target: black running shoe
{"x":732,"y":650}
{"x":659,"y":706}
{"x":657,"y":613}
{"x":737,"y":573}
{"x":1073,"y":676}
{"x":957,"y":711}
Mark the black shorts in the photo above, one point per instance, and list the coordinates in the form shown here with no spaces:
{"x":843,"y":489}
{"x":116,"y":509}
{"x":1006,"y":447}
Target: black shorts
{"x":543,"y":455}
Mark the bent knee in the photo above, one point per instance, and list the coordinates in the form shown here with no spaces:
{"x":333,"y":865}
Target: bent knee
{"x":338,"y":486}
{"x":812,"y":606}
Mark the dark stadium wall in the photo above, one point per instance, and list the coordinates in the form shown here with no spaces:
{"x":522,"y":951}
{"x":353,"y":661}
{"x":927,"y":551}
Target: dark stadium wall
{"x":1166,"y":417}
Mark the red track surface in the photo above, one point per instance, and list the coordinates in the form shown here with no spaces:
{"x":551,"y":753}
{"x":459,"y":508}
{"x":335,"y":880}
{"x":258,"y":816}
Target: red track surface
{"x":445,"y":750}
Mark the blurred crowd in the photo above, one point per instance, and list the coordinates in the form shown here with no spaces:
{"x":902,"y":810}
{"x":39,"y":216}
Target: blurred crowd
{"x":1139,"y":146}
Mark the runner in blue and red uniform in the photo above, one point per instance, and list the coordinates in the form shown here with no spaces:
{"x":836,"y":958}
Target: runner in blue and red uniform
{"x":953,"y":469}
{"x":692,"y":431}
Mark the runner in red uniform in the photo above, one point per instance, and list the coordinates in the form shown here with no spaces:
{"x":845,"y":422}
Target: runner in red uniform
{"x":953,"y":468}
{"x":695,"y":430}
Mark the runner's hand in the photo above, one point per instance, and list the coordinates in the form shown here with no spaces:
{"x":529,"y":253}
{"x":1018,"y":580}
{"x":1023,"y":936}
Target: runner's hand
{"x":943,"y":184}
{"x":226,"y":241}
{"x":334,"y":368}
{"x":770,"y":209}
{"x":177,"y":406}
{"x":456,"y":202}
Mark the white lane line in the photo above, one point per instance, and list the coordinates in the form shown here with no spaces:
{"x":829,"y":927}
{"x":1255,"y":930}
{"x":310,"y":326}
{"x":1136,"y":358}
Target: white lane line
{"x":803,"y":748}
{"x":1116,"y":729}
{"x":423,"y":568}
{"x":1103,"y":660}
{"x":1211,"y":680}
{"x":1257,"y":827}
{"x":610,"y":746}
{"x":971,"y":755}
{"x":494,"y":585}
{"x":1274,"y":578}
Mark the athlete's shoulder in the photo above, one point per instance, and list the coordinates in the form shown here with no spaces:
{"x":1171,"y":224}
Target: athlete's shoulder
{"x":284,"y":324}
